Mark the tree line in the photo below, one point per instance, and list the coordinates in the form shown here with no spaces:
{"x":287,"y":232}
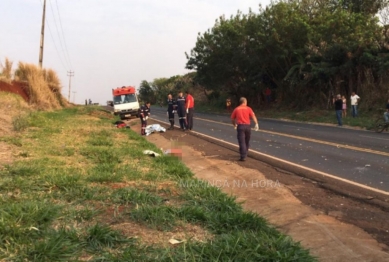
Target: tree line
{"x":305,"y":51}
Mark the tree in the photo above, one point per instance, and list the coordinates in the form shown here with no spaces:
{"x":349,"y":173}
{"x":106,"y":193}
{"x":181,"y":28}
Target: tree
{"x":303,"y":49}
{"x":146,"y":93}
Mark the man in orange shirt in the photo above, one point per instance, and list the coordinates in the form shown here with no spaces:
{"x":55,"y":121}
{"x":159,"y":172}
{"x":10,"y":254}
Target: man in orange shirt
{"x":189,"y":104}
{"x":240,"y":118}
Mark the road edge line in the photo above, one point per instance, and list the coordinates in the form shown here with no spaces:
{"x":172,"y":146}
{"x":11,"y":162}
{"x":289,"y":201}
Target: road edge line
{"x":305,"y":172}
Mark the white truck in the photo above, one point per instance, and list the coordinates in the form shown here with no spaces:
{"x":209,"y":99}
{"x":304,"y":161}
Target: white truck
{"x":125,"y":102}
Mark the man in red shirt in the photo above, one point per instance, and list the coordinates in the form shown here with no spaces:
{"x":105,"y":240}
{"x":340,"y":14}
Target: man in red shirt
{"x":240,"y":118}
{"x":189,"y":105}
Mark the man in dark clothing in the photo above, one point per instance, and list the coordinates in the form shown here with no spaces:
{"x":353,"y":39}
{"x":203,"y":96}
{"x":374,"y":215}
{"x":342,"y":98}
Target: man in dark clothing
{"x":171,"y":108}
{"x":181,"y":111}
{"x":144,"y":115}
{"x":189,"y":104}
{"x":338,"y":109}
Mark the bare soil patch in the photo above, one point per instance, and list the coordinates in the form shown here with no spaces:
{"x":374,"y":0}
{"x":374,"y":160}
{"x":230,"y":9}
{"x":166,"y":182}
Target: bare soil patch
{"x":148,"y":236}
{"x":6,"y":154}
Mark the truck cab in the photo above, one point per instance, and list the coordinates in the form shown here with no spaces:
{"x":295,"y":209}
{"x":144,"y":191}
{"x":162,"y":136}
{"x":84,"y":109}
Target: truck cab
{"x":125,"y":102}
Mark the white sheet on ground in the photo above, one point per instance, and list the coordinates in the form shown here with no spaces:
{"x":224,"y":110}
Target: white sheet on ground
{"x":154,"y":128}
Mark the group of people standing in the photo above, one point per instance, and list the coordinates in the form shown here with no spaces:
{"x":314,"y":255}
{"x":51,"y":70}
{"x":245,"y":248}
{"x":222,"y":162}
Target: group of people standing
{"x":184,"y":107}
{"x":340,"y":103}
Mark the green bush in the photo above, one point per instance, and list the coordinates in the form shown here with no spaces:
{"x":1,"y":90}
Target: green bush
{"x":20,"y":123}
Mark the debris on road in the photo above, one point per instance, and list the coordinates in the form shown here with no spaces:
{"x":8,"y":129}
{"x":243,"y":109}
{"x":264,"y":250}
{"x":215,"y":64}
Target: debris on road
{"x":175,"y":241}
{"x":174,"y":152}
{"x":121,"y":124}
{"x":151,"y":153}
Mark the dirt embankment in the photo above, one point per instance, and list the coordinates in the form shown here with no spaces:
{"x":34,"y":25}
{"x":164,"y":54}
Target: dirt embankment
{"x":15,"y":87}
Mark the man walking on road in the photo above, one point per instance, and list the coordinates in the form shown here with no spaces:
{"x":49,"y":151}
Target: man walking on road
{"x":240,"y":118}
{"x":171,"y":107}
{"x":189,"y":109}
{"x":354,"y":103}
{"x":181,"y":111}
{"x":144,"y":115}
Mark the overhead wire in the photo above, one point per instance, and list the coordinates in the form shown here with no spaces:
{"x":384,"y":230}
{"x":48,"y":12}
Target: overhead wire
{"x":63,"y":35}
{"x":58,"y":34}
{"x":52,"y":38}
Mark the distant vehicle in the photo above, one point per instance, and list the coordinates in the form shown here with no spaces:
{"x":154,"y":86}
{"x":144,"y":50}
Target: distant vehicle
{"x":125,"y":102}
{"x":109,"y":103}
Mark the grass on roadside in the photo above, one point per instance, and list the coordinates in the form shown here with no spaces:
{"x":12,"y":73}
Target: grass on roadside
{"x":85,"y":191}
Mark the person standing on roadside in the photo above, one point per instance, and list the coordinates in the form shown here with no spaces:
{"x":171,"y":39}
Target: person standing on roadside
{"x":338,"y":102}
{"x":189,"y":109}
{"x":228,"y":105}
{"x":268,"y":94}
{"x":354,"y":103}
{"x":181,"y":111}
{"x":144,"y":115}
{"x":171,"y":107}
{"x":344,"y":107}
{"x":240,"y":118}
{"x":386,"y":114}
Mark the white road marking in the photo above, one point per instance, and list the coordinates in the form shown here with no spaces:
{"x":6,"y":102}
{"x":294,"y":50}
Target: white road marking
{"x":375,"y":137}
{"x":296,"y":165}
{"x":300,"y":127}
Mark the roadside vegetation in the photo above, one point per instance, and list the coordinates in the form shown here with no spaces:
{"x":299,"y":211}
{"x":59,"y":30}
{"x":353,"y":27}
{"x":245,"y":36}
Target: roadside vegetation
{"x":365,"y":120}
{"x":78,"y":189}
{"x":42,"y":87}
{"x":306,"y":52}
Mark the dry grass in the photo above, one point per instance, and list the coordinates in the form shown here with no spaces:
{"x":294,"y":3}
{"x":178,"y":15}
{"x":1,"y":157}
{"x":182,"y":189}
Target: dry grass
{"x":54,"y":84}
{"x":12,"y":106}
{"x":44,"y":86}
{"x":6,"y":72}
{"x":40,"y":90}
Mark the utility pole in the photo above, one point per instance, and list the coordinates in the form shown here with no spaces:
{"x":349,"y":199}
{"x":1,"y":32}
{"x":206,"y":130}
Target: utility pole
{"x":70,"y":74}
{"x":74,"y":97}
{"x":42,"y":35}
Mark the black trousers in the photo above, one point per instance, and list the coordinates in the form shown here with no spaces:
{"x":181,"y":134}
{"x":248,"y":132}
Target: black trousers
{"x":182,"y":118}
{"x":171,"y":117}
{"x":244,"y":133}
{"x":189,"y":118}
{"x":143,"y":129}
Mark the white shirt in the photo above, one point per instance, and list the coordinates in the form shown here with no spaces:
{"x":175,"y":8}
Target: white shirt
{"x":354,"y":100}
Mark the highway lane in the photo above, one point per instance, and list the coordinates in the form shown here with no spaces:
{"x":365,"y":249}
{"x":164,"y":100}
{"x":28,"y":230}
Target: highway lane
{"x":356,"y":155}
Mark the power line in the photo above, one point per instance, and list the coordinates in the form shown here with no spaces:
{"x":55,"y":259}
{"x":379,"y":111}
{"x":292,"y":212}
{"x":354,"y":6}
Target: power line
{"x":59,"y":36}
{"x":55,"y":46}
{"x":63,"y":35}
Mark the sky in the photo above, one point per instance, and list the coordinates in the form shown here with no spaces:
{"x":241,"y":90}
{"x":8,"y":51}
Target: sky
{"x":109,"y":43}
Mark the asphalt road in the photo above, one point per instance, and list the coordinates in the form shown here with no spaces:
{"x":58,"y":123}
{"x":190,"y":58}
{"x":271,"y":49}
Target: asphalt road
{"x":356,"y":155}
